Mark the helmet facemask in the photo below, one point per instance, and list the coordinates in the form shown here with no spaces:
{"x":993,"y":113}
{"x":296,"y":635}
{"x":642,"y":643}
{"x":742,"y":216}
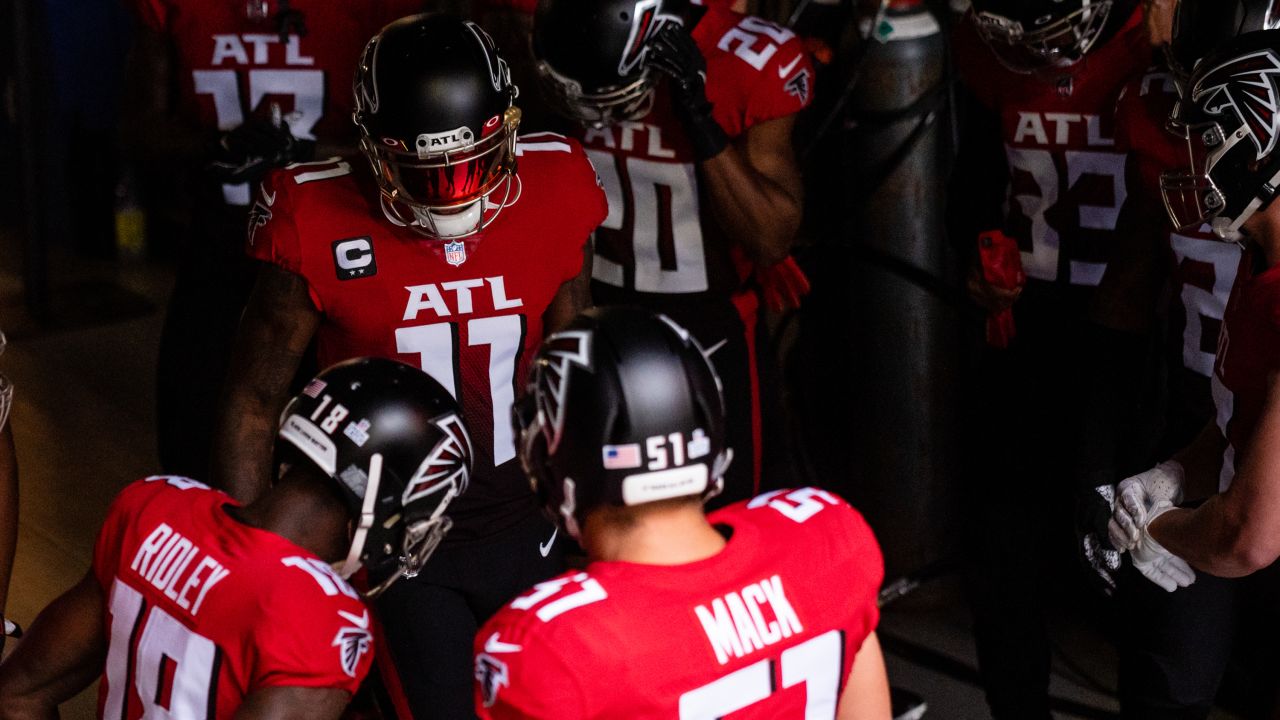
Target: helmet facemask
{"x":599,"y":108}
{"x":1233,"y":167}
{"x":1060,"y":43}
{"x":452,"y":192}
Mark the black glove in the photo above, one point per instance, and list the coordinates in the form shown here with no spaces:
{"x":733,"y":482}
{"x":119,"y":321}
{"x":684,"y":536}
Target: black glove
{"x":673,"y":53}
{"x":1093,"y":511}
{"x":246,"y":153}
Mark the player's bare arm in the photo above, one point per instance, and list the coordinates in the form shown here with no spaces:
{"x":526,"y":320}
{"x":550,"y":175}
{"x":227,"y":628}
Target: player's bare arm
{"x":1233,"y":534}
{"x":277,"y":327}
{"x":573,"y":297}
{"x":866,"y":693}
{"x":755,"y":190}
{"x":294,"y":703}
{"x":63,"y":652}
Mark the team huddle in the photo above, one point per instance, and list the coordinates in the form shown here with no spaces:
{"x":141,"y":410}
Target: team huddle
{"x":531,"y":480}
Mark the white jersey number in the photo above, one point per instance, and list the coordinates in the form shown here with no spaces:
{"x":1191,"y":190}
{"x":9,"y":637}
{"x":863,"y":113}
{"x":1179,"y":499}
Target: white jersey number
{"x":1043,"y":260}
{"x":661,"y":200}
{"x":172,"y":670}
{"x":438,"y":352}
{"x":815,"y":663}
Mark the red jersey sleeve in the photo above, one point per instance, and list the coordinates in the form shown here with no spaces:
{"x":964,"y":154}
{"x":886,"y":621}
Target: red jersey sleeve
{"x":576,"y":180}
{"x":272,"y":234}
{"x":519,"y":677}
{"x":854,"y":547}
{"x":121,"y":515}
{"x":314,"y":634}
{"x":785,"y":85}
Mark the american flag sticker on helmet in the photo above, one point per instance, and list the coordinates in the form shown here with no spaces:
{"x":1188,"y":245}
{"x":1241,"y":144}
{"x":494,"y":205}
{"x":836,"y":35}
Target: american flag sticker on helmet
{"x":621,"y":457}
{"x":314,"y":388}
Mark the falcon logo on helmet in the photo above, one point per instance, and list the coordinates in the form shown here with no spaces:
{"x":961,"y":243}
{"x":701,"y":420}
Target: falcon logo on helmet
{"x":563,"y":351}
{"x":448,"y":465}
{"x":644,"y":23}
{"x":353,"y":641}
{"x":1246,"y":86}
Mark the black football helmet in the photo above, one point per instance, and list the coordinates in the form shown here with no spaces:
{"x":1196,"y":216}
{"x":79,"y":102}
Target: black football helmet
{"x":1229,"y":118}
{"x":394,"y":441}
{"x":1033,"y":35}
{"x":622,"y":408}
{"x":591,"y":57}
{"x":434,"y":104}
{"x":1202,"y":26}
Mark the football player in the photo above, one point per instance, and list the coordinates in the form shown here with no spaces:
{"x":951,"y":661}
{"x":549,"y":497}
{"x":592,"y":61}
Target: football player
{"x":447,"y":257}
{"x":197,"y":606}
{"x":220,"y":92}
{"x":1228,"y":185}
{"x":1037,"y":163}
{"x":1174,"y":647}
{"x":687,"y":115}
{"x":763,"y":609}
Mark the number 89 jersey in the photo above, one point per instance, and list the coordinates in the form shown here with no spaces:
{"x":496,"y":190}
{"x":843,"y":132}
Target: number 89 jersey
{"x":657,"y":245}
{"x":203,"y":610}
{"x":1066,"y":176}
{"x":766,"y":628}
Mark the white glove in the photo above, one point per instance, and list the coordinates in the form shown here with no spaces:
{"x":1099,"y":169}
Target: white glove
{"x":1157,"y":564}
{"x":1135,"y":496}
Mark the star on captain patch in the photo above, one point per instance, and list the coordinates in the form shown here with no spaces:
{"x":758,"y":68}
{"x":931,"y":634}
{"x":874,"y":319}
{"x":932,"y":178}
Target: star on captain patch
{"x":455,"y":253}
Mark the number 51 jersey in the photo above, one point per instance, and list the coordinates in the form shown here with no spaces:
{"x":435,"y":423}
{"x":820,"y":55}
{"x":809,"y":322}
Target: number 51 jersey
{"x":203,"y":610}
{"x":766,"y":628}
{"x":469,"y":313}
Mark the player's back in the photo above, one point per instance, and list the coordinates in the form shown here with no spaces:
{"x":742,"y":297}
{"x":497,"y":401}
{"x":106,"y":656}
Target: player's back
{"x":766,"y":628}
{"x":203,"y":610}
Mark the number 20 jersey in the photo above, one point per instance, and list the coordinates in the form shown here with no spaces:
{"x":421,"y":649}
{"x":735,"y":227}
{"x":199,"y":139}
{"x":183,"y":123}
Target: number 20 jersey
{"x":1066,"y":177}
{"x":203,"y":610}
{"x":386,"y":291}
{"x":766,"y":628}
{"x":658,"y":246}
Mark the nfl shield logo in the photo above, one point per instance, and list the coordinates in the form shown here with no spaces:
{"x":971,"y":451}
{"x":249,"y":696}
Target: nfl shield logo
{"x":455,"y":253}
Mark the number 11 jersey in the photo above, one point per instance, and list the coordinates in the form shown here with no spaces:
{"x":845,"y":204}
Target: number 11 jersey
{"x":469,"y":313}
{"x":766,"y":628}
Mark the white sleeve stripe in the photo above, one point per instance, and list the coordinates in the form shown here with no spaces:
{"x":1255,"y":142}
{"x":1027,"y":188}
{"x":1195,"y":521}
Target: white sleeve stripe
{"x":521,"y":148}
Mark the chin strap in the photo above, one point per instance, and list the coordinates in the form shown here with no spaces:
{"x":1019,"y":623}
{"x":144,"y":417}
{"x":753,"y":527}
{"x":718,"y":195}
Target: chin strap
{"x":352,"y":563}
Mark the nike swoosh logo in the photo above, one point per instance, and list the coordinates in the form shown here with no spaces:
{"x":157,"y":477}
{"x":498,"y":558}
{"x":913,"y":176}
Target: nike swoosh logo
{"x":785,"y":70}
{"x":545,"y":548}
{"x":494,"y":645}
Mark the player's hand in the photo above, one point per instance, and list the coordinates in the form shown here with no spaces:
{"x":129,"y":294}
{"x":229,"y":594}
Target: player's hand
{"x":1093,"y":512}
{"x":990,"y":297}
{"x":246,"y":153}
{"x":1156,"y":563}
{"x":673,"y":53}
{"x":1137,"y":495}
{"x":782,"y":284}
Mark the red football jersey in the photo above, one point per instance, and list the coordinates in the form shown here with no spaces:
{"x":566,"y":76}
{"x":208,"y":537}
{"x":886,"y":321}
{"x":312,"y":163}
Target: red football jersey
{"x":468,"y":313}
{"x":1248,"y":353}
{"x":766,"y":628}
{"x":230,"y":67}
{"x":1067,"y":178}
{"x":1203,"y":268}
{"x":203,"y":610}
{"x":657,"y":247}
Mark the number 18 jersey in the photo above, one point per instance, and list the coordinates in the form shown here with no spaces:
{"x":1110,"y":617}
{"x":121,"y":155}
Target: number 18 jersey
{"x":203,"y":610}
{"x":766,"y":628}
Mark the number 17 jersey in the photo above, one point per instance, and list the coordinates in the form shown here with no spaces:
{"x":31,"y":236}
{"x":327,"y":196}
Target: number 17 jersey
{"x":766,"y":628}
